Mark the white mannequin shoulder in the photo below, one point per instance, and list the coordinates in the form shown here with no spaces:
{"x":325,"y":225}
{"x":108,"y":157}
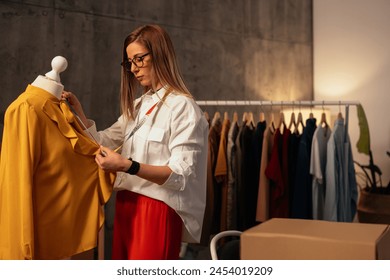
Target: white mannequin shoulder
{"x":51,"y":82}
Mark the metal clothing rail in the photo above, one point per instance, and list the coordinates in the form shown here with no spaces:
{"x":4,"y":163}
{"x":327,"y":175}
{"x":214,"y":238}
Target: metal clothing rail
{"x":283,"y":103}
{"x":274,"y":103}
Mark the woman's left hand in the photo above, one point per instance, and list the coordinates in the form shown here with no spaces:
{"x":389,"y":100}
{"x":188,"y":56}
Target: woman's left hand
{"x":110,"y":161}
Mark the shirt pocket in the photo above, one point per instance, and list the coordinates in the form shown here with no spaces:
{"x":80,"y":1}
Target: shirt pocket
{"x":156,"y":135}
{"x":157,"y":146}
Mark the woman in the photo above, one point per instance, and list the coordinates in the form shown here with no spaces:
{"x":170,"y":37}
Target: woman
{"x":162,"y":135}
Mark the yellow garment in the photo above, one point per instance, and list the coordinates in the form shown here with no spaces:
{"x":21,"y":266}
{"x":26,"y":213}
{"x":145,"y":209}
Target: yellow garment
{"x":363,"y":144}
{"x":51,"y":189}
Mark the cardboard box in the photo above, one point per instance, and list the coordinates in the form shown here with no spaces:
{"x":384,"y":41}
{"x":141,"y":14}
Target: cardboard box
{"x":296,"y":239}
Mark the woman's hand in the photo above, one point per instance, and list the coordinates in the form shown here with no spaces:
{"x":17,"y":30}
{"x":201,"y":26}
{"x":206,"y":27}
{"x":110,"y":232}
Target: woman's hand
{"x":109,"y":160}
{"x":76,"y":105}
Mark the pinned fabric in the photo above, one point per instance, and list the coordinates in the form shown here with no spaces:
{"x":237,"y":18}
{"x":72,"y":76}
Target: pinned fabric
{"x":363,"y":144}
{"x":51,"y":189}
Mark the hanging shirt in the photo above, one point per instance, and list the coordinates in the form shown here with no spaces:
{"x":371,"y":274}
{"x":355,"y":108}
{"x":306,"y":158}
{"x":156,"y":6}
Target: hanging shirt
{"x":317,"y":169}
{"x":257,"y":146}
{"x":221,"y":172}
{"x":262,"y":210}
{"x":363,"y":144}
{"x":51,"y":189}
{"x":302,"y":197}
{"x":175,"y":135}
{"x":277,"y":172}
{"x":212,"y":217}
{"x":238,"y":177}
{"x":341,"y":188}
{"x":293,"y":147}
{"x":232,"y":171}
{"x":246,"y":217}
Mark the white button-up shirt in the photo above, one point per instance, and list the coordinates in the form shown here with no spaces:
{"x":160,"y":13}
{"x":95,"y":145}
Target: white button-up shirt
{"x":175,"y":134}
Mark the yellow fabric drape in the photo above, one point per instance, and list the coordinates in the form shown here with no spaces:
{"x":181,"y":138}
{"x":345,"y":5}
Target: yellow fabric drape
{"x":363,"y":144}
{"x":51,"y":189}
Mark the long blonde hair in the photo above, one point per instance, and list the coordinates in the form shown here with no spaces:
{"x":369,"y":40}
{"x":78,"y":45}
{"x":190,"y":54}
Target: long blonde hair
{"x":164,"y":66}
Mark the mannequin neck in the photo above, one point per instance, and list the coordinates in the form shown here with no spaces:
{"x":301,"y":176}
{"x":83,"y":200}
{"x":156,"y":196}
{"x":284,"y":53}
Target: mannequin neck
{"x":49,"y":85}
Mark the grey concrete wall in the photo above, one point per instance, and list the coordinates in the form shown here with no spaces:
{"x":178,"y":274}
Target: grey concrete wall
{"x":249,"y":49}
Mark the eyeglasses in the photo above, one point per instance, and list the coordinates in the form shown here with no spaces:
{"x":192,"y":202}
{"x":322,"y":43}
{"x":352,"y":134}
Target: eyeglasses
{"x":137,"y":61}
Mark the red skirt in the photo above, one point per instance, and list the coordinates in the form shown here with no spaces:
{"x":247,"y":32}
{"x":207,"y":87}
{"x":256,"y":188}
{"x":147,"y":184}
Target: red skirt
{"x":145,"y":229}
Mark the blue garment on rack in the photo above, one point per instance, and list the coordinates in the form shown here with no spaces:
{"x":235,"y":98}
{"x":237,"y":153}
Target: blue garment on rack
{"x":341,"y":188}
{"x":318,"y":169}
{"x":302,"y":197}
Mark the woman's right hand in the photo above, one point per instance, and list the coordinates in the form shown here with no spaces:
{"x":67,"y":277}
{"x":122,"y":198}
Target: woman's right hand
{"x":73,"y":100}
{"x":76,"y":105}
{"x":111,"y":161}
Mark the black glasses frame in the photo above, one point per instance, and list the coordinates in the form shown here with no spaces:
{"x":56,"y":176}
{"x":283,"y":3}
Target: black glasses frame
{"x":138,"y":61}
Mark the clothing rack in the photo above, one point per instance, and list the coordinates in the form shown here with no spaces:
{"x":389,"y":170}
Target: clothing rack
{"x":274,"y":103}
{"x":293,"y":104}
{"x":282,"y":103}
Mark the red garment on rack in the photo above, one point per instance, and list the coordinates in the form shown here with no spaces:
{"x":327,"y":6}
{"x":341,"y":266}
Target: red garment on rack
{"x":277,"y":172}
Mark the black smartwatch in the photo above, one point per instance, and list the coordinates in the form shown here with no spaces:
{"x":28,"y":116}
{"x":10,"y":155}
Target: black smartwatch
{"x":134,"y":167}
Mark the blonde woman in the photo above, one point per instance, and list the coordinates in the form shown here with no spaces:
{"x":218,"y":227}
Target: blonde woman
{"x":162,"y":139}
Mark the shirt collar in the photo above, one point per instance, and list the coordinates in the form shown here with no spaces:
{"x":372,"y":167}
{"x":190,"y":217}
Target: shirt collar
{"x":158,"y":95}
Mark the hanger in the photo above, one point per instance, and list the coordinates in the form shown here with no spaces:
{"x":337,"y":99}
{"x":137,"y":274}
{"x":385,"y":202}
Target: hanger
{"x":217,"y":115}
{"x":311,"y":116}
{"x":250,"y":119}
{"x":281,"y":121}
{"x":292,"y":120}
{"x":216,"y":118}
{"x":299,"y":120}
{"x":261,"y":116}
{"x":281,"y":118}
{"x":207,"y":116}
{"x":272,"y":124}
{"x":244,"y":117}
{"x":323,"y":121}
{"x":235,"y":117}
{"x":340,"y":115}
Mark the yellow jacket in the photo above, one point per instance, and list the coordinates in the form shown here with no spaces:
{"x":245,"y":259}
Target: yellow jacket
{"x":51,"y":189}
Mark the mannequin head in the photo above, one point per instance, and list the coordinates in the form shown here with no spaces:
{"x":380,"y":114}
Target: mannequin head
{"x":51,"y":82}
{"x":58,"y":65}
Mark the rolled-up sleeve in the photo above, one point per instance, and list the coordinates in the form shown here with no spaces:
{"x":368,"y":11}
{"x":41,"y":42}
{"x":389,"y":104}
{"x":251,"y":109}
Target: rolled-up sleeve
{"x":186,"y":143}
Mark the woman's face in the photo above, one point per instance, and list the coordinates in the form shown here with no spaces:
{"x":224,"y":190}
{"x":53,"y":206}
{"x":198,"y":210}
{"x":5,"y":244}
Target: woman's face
{"x":141,"y":65}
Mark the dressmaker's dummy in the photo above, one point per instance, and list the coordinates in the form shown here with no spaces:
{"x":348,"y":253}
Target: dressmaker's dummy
{"x":51,"y":190}
{"x":51,"y":82}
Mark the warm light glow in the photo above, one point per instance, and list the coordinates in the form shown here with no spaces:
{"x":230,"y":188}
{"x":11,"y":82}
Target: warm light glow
{"x":333,"y":84}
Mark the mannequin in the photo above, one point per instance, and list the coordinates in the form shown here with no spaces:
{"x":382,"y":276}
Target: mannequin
{"x":51,"y":82}
{"x":51,"y":196}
